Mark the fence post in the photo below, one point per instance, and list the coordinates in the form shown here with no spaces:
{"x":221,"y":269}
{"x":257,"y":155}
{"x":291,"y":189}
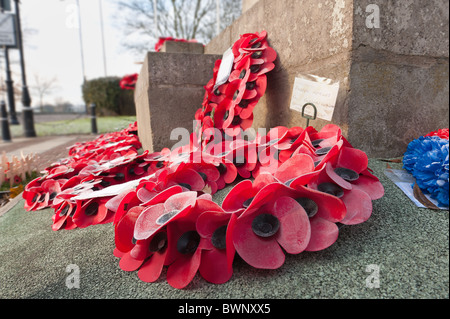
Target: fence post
{"x":93,"y":119}
{"x":6,"y":134}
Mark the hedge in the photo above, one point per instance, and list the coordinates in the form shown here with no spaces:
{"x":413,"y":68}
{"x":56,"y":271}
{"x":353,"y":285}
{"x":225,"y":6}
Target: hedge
{"x":109,"y":98}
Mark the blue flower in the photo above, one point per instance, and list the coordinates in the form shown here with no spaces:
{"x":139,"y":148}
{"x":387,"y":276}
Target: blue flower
{"x":427,"y":160}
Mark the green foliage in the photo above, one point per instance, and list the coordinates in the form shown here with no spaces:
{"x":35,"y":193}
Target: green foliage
{"x":109,"y":98}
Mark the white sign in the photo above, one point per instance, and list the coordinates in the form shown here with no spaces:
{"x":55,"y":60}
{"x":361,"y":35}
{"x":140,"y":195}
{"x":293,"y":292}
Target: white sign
{"x":321,"y":92}
{"x":7,"y":30}
{"x":225,"y":68}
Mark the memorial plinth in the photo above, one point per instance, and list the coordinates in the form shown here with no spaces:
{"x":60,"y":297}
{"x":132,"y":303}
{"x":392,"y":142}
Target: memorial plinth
{"x":390,"y":58}
{"x":169,"y":91}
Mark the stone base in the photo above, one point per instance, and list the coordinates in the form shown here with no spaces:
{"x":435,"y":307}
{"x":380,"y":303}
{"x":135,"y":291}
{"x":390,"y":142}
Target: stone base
{"x":393,"y":76}
{"x":169,"y":91}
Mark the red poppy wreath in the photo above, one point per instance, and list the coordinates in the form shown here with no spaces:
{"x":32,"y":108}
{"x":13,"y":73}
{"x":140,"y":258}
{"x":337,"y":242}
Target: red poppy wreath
{"x":293,"y":188}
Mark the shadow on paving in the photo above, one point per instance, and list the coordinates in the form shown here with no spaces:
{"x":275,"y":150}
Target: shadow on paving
{"x":409,"y":245}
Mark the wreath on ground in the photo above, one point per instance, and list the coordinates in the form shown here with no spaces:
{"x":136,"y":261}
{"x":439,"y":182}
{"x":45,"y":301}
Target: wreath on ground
{"x":294,"y":187}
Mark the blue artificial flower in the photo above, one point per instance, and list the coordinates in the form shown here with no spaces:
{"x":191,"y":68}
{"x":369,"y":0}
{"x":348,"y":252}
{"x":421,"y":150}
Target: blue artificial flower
{"x":427,"y":160}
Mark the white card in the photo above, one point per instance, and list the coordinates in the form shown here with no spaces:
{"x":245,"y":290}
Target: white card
{"x":225,"y":68}
{"x":321,"y":92}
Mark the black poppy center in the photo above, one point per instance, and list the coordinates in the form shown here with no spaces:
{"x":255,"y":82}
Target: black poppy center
{"x":309,"y":206}
{"x":316,"y":143}
{"x":323,"y":151}
{"x":91,"y":209}
{"x":203,"y":175}
{"x":347,"y":174}
{"x":119,"y":176}
{"x":35,"y":198}
{"x":265,"y":225}
{"x":236,"y":94}
{"x":332,"y":189}
{"x":242,"y":75}
{"x":255,"y":68}
{"x":256,"y":45}
{"x":165,"y":218}
{"x":250,"y":85}
{"x":236,"y":120}
{"x":185,"y":185}
{"x":158,"y":243}
{"x":239,"y":161}
{"x":188,"y":242}
{"x":218,"y":238}
{"x":64,"y":211}
{"x":244,"y":103}
{"x":257,"y":54}
{"x":53,"y":195}
{"x":222,"y":168}
{"x":247,"y":203}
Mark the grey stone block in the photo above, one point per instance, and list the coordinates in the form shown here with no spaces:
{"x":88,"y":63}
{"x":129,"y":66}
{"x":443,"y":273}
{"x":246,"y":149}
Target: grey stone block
{"x":393,"y":76}
{"x":169,"y":91}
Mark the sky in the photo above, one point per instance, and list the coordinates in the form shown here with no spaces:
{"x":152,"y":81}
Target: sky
{"x":52,"y":47}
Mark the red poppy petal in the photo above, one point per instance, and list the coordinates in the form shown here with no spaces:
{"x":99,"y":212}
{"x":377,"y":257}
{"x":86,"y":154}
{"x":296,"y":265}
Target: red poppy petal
{"x":208,"y":222}
{"x":146,"y":225}
{"x":353,"y":158}
{"x":238,"y":195}
{"x":125,"y":229}
{"x":359,"y":207}
{"x":295,"y":231}
{"x":183,"y":270}
{"x":323,"y":234}
{"x":231,"y":173}
{"x":152,"y":268}
{"x":129,"y":201}
{"x":256,"y":251}
{"x":164,"y":195}
{"x":140,"y":250}
{"x":128,"y":263}
{"x":262,"y":180}
{"x":336,"y":178}
{"x":214,"y":266}
{"x":181,"y":201}
{"x":370,"y":186}
{"x":295,"y":167}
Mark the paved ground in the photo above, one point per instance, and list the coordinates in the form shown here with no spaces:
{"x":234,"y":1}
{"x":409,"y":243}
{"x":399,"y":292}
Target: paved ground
{"x":409,"y":245}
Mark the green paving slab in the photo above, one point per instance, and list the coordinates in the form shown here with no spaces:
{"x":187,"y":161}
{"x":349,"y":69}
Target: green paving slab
{"x":409,"y":244}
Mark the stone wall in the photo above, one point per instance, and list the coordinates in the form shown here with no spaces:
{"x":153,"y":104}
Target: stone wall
{"x":393,"y":76}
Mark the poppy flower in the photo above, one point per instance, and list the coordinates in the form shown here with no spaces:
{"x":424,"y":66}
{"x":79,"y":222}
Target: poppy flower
{"x":128,"y":82}
{"x":241,"y":196}
{"x":41,"y":197}
{"x":357,"y":202}
{"x":244,"y":158}
{"x":217,"y":262}
{"x":62,"y":219}
{"x":350,"y":171}
{"x":158,"y":216}
{"x":186,"y":246}
{"x":323,"y":210}
{"x":181,"y":175}
{"x":271,"y":226}
{"x":92,"y":212}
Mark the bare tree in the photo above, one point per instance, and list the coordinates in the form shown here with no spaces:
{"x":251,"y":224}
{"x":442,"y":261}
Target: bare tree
{"x":42,"y":87}
{"x":185,"y":19}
